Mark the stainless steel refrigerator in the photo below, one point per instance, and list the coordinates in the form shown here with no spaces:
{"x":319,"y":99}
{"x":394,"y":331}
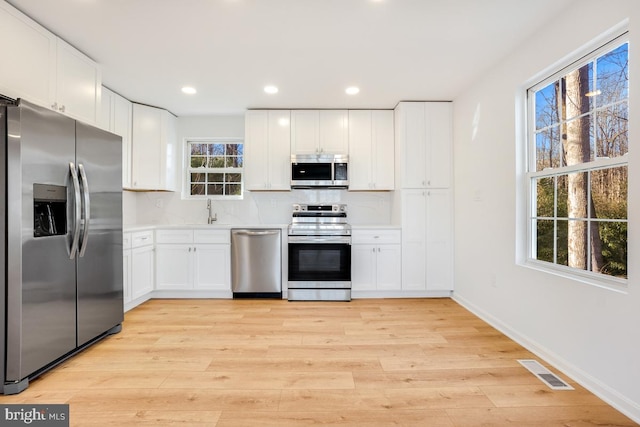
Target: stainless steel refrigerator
{"x":62,"y":226}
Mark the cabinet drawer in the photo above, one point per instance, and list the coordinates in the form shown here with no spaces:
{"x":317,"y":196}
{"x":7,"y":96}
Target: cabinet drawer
{"x":376,"y":237}
{"x":141,"y":238}
{"x":212,"y":236}
{"x":126,"y":241}
{"x":174,"y":236}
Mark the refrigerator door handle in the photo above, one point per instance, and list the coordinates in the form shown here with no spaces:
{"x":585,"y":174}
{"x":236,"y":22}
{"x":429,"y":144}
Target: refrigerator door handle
{"x":77,"y":211}
{"x":86,"y":205}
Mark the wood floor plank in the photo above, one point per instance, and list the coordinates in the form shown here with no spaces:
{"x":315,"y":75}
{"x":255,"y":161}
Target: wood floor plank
{"x":147,"y":418}
{"x":443,"y":378}
{"x":260,"y":379}
{"x":347,"y":418}
{"x":576,"y":416}
{"x":382,"y":362}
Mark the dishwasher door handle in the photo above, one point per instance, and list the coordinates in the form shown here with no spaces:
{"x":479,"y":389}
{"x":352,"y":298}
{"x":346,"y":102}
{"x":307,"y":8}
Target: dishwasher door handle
{"x":255,"y":232}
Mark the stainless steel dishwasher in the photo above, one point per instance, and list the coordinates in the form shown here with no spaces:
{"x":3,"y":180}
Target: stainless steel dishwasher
{"x":256,"y":262}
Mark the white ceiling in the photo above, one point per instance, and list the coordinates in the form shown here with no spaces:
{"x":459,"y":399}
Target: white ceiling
{"x":311,"y":49}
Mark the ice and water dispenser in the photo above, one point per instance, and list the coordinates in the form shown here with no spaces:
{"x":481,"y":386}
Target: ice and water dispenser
{"x":49,"y":210}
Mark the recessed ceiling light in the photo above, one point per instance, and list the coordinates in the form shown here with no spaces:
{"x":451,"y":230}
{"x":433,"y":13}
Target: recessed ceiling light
{"x":352,"y":90}
{"x":189,"y":90}
{"x":271,"y":89}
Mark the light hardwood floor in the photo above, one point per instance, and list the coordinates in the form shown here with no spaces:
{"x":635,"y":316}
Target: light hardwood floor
{"x":391,"y":362}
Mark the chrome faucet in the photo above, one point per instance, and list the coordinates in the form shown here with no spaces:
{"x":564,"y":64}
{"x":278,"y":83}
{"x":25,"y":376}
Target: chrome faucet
{"x":213,"y":217}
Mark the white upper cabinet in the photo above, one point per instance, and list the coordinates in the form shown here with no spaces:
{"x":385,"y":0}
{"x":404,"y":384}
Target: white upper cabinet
{"x":46,"y":70}
{"x":153,"y":149}
{"x":29,"y":57}
{"x":424,"y":144}
{"x":115,"y":116}
{"x":267,"y":150}
{"x":319,"y":131}
{"x":78,"y":87}
{"x":371,"y":150}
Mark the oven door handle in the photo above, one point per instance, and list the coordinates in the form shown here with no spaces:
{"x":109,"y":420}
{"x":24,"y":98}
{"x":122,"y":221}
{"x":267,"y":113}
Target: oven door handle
{"x":321,"y":239}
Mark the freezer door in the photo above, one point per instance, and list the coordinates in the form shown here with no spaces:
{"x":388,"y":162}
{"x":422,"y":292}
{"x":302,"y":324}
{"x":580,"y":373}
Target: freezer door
{"x":99,"y":160}
{"x":41,"y":284}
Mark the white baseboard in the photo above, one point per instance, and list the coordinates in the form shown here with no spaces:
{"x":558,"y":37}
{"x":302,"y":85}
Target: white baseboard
{"x":611,"y":396}
{"x":400,"y":294}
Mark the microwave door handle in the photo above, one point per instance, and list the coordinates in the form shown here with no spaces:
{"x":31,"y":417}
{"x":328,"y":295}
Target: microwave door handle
{"x":77,"y":211}
{"x":86,"y":205}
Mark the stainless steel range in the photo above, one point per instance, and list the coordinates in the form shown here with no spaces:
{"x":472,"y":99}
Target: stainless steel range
{"x":319,"y":253}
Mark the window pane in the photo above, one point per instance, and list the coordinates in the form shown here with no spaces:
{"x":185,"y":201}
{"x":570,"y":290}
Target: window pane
{"x":232,"y":149}
{"x":549,"y":148}
{"x":233,"y":189}
{"x":609,"y":193}
{"x":199,"y":148}
{"x":613,"y":76}
{"x":216,"y":162}
{"x":234,"y":162}
{"x":562,"y":196}
{"x":234,"y":177}
{"x":216,"y":149}
{"x":612,"y":131}
{"x":562,"y":255}
{"x":215,"y":177}
{"x":547,"y":106}
{"x":215,"y":189}
{"x":545,"y":197}
{"x":544,"y":240}
{"x":198,"y":161}
{"x":613,"y":249}
{"x":577,"y":247}
{"x":578,"y":87}
{"x":197,"y":177}
{"x":197,"y":189}
{"x":579,"y":144}
{"x":577,"y":192}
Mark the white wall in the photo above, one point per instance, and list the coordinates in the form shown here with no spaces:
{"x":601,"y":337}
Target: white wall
{"x":256,"y":207}
{"x":592,"y":334}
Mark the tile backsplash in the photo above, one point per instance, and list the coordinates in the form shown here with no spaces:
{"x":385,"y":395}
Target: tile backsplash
{"x":256,"y":208}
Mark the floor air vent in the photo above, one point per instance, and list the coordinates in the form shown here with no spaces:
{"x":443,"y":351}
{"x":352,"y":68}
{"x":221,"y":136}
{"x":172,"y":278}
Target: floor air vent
{"x":544,"y":375}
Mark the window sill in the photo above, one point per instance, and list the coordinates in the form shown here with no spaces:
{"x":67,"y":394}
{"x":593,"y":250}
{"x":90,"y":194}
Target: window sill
{"x":605,"y":282}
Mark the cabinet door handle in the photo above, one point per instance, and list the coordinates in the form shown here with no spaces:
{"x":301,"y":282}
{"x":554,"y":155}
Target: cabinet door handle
{"x":189,"y":249}
{"x":54,"y":105}
{"x":62,"y":108}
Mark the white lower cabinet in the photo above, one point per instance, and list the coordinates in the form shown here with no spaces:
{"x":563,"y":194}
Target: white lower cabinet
{"x":427,"y":250}
{"x":375,"y":261}
{"x":138,"y":266}
{"x":193,"y":259}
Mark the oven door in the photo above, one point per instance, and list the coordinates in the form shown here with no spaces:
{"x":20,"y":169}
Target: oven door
{"x":320,"y":261}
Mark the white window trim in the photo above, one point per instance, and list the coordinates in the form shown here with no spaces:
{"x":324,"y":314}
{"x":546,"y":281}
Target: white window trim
{"x":186,"y":155}
{"x":525,"y":115}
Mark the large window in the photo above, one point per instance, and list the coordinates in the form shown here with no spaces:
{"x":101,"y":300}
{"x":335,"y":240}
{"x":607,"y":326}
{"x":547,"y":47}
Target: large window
{"x":577,"y":168}
{"x":215,"y":167}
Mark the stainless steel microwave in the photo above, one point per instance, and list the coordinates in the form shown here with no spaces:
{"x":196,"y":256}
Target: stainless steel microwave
{"x":319,"y":171}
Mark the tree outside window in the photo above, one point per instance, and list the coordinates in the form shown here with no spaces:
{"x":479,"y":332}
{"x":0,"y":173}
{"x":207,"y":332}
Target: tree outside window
{"x":578,"y":168}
